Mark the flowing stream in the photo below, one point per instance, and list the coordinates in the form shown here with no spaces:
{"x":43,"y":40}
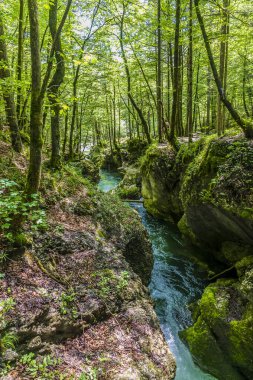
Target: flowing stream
{"x":175,"y":282}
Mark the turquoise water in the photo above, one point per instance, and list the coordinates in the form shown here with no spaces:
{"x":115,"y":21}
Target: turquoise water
{"x":175,"y":282}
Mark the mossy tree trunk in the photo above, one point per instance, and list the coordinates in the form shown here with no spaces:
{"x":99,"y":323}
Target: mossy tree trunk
{"x":20,"y":57}
{"x":36,"y":111}
{"x":38,"y":91}
{"x":8,"y":96}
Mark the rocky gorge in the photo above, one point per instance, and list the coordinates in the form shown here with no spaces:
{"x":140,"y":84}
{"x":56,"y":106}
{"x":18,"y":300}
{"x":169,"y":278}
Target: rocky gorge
{"x":206,"y":188}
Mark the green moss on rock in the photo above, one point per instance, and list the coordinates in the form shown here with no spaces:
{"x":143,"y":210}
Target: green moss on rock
{"x":160,"y":182}
{"x":130,"y":186}
{"x":225,"y":324}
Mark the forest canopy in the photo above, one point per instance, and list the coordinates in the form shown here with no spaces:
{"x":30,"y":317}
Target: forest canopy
{"x":75,"y":73}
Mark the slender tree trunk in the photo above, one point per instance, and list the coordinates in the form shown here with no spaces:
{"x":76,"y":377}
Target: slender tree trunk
{"x":108,"y":122}
{"x":34,"y":173}
{"x":114,"y":117}
{"x":159,"y":72}
{"x":74,"y":110}
{"x":196,"y":96}
{"x":179,"y":123}
{"x":246,"y":126}
{"x":53,"y":88}
{"x":8,"y":95}
{"x":134,"y":104}
{"x":66,"y":120}
{"x":208,"y":99}
{"x":174,"y":116}
{"x":20,"y":56}
{"x":168,"y":85}
{"x":227,"y":17}
{"x":190,"y":75}
{"x":244,"y":88}
{"x":223,"y":63}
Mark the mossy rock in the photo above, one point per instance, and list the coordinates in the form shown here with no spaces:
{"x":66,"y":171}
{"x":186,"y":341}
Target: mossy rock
{"x":160,"y":188}
{"x":206,"y":352}
{"x":135,"y":149}
{"x":221,"y":339}
{"x":235,"y":252}
{"x":185,"y":229}
{"x":90,"y":170}
{"x":241,"y":343}
{"x":130,"y":186}
{"x":128,"y":192}
{"x":123,"y":225}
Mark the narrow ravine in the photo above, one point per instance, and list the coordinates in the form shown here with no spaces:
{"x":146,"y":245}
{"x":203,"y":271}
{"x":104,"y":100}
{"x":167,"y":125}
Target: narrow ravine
{"x":176,"y":281}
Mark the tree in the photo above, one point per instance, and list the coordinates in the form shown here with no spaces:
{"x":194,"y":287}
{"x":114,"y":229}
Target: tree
{"x":10,"y":107}
{"x":54,"y":86}
{"x":38,"y":93}
{"x":130,"y":96}
{"x":246,"y":126}
{"x":159,"y":71}
{"x":176,"y":79}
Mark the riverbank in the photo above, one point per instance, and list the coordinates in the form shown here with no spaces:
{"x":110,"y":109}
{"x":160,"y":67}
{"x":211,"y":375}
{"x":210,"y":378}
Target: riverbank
{"x":73,"y":305}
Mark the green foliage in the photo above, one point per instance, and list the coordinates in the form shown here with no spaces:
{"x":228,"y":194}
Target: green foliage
{"x":7,"y":339}
{"x":92,"y":374}
{"x":14,"y":208}
{"x":42,"y":368}
{"x":108,"y":281}
{"x":68,"y":303}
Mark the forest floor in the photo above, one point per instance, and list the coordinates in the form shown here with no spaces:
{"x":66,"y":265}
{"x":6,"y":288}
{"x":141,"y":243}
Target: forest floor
{"x":78,"y":310}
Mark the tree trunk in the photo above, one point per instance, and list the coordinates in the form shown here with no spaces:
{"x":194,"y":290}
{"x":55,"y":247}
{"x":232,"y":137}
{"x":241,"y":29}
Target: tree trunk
{"x":174,"y":116}
{"x":208,"y":99}
{"x":66,"y":120}
{"x":34,"y":173}
{"x":159,"y":72}
{"x":134,"y":104}
{"x":8,"y":95}
{"x":223,"y":63}
{"x":54,"y":86}
{"x":20,"y":56}
{"x":190,"y":76}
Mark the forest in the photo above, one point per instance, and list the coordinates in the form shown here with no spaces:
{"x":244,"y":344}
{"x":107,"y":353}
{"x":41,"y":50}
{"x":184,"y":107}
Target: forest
{"x":126,"y":189}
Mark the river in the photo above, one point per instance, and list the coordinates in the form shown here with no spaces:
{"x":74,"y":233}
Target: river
{"x":176,"y":281}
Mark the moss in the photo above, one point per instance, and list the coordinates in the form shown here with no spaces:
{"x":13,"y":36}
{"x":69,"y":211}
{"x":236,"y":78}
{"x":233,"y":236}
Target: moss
{"x":123,"y":226}
{"x":206,"y":351}
{"x":241,"y":342}
{"x":22,"y":239}
{"x":130,"y":186}
{"x":243,"y":265}
{"x":158,"y":160}
{"x":194,"y":178}
{"x":135,"y":149}
{"x":214,"y":303}
{"x":130,"y":192}
{"x":185,"y":229}
{"x":160,"y":182}
{"x":155,"y":210}
{"x":234,"y":252}
{"x":90,"y":170}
